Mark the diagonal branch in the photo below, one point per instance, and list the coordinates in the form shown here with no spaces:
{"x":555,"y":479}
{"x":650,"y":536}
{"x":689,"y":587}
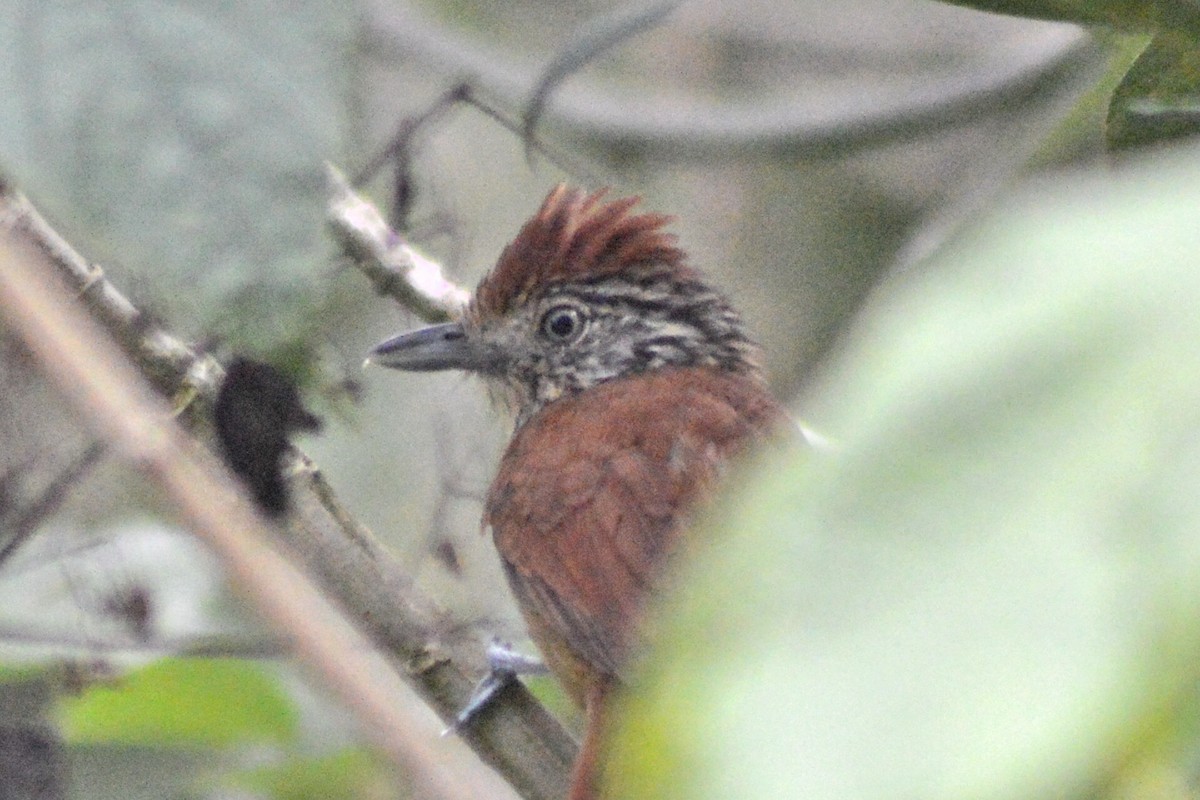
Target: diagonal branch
{"x":135,"y":422}
{"x":517,"y":737}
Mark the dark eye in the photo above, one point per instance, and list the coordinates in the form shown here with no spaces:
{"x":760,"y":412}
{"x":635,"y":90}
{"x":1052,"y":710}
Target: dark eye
{"x":562,"y":323}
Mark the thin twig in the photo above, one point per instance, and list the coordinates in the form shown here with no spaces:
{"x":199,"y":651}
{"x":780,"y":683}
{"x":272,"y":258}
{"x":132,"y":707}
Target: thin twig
{"x":400,"y":149}
{"x":401,"y":140}
{"x":52,"y":496}
{"x":597,"y":36}
{"x":193,"y":646}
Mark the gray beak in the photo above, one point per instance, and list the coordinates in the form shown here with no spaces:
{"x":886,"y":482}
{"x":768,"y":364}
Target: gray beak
{"x":434,"y":348}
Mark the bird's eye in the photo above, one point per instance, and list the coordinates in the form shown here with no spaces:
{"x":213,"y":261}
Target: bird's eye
{"x":562,"y":324}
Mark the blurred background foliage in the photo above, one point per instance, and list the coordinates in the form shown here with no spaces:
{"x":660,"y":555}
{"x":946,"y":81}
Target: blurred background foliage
{"x":931,"y":217}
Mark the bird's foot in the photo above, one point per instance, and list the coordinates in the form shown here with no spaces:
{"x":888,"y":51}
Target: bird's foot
{"x":504,"y":665}
{"x":501,"y":657}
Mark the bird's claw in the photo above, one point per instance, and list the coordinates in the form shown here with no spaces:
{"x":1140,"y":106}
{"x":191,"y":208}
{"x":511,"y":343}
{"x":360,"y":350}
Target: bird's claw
{"x":501,"y":657}
{"x":504,"y":665}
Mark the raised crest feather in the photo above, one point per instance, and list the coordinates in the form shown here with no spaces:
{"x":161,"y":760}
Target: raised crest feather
{"x":575,"y":236}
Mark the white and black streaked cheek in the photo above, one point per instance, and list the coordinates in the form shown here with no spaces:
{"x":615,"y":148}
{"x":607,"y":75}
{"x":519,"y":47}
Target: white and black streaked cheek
{"x":667,"y":322}
{"x":665,"y":351}
{"x":685,"y":337}
{"x":546,"y":372}
{"x":628,"y":328}
{"x":596,"y":357}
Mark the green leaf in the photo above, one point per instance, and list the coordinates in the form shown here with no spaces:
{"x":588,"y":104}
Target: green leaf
{"x":551,"y":694}
{"x":181,"y":146}
{"x":22,"y":673}
{"x":993,"y":589}
{"x":349,"y":773}
{"x":183,"y":703}
{"x":1159,"y":98}
{"x":1122,"y":15}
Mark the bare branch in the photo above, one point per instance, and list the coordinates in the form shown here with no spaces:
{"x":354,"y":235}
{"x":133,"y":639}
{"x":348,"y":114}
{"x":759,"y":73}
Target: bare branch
{"x":170,"y":364}
{"x":517,"y":736}
{"x":395,"y":268}
{"x":103,"y":385}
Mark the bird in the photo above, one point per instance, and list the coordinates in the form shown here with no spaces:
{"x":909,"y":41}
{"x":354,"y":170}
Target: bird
{"x":633,"y":385}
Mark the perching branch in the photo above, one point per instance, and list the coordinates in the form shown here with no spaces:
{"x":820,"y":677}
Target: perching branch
{"x":517,"y":737}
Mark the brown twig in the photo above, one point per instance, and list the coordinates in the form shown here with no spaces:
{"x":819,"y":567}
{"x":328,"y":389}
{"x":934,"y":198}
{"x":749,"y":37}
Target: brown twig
{"x":597,"y":36}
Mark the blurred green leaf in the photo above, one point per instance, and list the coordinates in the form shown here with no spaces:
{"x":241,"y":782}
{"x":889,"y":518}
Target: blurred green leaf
{"x":551,"y":694}
{"x":183,"y":703}
{"x":20,"y":673}
{"x":346,"y":774}
{"x":1122,"y":15}
{"x":1159,"y":98}
{"x":181,"y":145}
{"x":993,"y":590}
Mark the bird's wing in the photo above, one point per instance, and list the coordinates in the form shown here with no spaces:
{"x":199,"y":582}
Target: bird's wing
{"x":594,"y":492}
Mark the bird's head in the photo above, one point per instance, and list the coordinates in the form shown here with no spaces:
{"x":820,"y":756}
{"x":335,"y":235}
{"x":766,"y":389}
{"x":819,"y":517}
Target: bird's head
{"x":586,"y":292}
